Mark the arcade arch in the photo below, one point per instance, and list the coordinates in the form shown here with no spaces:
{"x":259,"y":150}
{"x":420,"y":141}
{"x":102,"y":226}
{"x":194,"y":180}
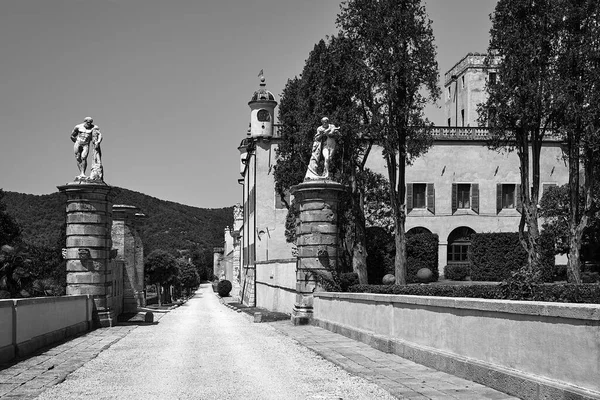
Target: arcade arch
{"x":459,"y":242}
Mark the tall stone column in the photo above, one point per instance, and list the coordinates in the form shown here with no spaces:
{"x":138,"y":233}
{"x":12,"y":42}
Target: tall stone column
{"x":127,"y":241}
{"x":88,"y":246}
{"x":317,"y":241}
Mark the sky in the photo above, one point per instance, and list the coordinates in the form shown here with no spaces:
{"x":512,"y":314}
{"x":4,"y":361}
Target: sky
{"x":167,"y":82}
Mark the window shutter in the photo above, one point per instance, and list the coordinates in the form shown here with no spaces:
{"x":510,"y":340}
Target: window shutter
{"x":454,"y":197}
{"x":431,"y":198}
{"x":409,"y":197}
{"x":518,"y":202}
{"x":475,"y":197}
{"x":498,"y":198}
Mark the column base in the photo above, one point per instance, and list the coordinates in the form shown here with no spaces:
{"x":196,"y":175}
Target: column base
{"x":302,"y":315}
{"x":105,"y":319}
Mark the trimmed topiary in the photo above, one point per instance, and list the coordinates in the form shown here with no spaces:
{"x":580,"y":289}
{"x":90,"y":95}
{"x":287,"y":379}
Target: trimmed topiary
{"x":224,"y":287}
{"x":424,"y":275}
{"x":389,"y":279}
{"x":456,"y":272}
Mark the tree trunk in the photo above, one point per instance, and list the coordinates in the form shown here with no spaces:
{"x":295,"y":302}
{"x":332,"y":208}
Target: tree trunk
{"x":159,"y":294}
{"x":400,"y":260}
{"x":359,"y":245}
{"x":573,"y":265}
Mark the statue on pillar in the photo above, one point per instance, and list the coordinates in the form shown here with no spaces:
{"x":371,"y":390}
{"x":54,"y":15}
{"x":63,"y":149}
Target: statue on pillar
{"x":82,"y":135}
{"x":323,"y":148}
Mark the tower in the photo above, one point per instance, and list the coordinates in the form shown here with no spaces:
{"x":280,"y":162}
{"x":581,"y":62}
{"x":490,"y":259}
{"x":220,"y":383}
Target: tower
{"x":262,"y":112}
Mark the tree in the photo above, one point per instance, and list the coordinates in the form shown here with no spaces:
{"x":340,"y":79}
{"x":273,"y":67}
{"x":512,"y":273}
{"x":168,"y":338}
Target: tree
{"x":160,"y":269}
{"x":188,"y":276}
{"x":577,"y":93}
{"x":518,"y":110}
{"x":9,"y":230}
{"x":396,"y":42}
{"x":328,"y":86}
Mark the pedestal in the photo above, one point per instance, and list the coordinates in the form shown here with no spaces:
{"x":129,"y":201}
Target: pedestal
{"x":128,"y":243}
{"x":88,"y":246}
{"x":317,"y":241}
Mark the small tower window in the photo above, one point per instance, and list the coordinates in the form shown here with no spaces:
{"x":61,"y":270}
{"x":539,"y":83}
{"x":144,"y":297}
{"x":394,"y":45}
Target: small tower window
{"x":492,"y":76}
{"x":263,"y":115}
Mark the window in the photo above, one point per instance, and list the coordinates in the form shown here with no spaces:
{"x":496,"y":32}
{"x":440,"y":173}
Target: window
{"x":420,"y":195}
{"x":449,"y":93}
{"x":419,"y":190}
{"x":462,"y":115}
{"x":459,"y":242}
{"x":492,"y":77}
{"x":465,"y":196}
{"x":462,"y":84}
{"x":508,"y":196}
{"x":449,"y":122}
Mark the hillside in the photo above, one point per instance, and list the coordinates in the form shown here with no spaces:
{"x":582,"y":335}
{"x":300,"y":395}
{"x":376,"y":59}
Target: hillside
{"x":170,"y":226}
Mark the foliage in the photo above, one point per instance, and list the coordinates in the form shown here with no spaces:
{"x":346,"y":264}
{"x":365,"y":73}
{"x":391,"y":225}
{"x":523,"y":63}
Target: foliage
{"x":170,"y":226}
{"x":378,"y":212}
{"x":160,"y":268}
{"x":14,"y":272}
{"x":561,"y":293}
{"x":422,"y":252}
{"x":456,"y":272}
{"x":380,"y":250}
{"x":224,"y":287}
{"x":187,"y":277}
{"x":348,"y":279}
{"x":396,"y":42}
{"x":9,"y":230}
{"x":555,"y":209}
{"x":291,"y":222}
{"x":202,"y":258}
{"x":495,"y":256}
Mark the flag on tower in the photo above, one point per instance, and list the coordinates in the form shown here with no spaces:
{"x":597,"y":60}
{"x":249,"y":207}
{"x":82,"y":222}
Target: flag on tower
{"x":260,"y":74}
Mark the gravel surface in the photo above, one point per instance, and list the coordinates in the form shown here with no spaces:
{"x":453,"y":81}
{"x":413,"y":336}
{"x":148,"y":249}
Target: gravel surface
{"x":203,"y":350}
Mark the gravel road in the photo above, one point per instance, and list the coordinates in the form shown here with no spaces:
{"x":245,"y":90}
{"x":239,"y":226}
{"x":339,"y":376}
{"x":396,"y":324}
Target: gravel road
{"x":203,"y":350}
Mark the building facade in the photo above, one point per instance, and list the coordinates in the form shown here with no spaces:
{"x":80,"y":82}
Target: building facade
{"x":457,"y":188}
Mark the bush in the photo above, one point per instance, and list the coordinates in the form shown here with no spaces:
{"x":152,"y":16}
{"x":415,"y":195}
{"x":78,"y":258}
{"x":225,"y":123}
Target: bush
{"x":560,"y":273}
{"x":558,"y":293}
{"x":421,"y":252}
{"x":348,"y":279}
{"x":224,"y":287}
{"x":495,"y":256}
{"x":456,"y":272}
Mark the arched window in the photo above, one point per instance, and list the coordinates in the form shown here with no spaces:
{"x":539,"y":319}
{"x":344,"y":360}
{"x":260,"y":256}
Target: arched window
{"x":459,"y":242}
{"x":417,"y":230}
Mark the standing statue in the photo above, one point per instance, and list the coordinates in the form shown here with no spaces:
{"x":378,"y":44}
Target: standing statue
{"x":323,"y":146}
{"x":82,"y":135}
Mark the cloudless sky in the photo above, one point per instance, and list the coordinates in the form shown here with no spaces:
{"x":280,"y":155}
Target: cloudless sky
{"x":167,"y":82}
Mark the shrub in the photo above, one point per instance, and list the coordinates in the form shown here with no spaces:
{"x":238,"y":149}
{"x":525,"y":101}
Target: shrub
{"x":560,"y":293}
{"x":348,"y":279}
{"x":421,"y":252}
{"x":224,"y":287}
{"x":494,"y":256}
{"x":456,"y":272}
{"x":560,"y":273}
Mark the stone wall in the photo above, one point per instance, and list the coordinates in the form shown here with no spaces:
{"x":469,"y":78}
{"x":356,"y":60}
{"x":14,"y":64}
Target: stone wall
{"x":533,"y":350}
{"x":27,"y":325}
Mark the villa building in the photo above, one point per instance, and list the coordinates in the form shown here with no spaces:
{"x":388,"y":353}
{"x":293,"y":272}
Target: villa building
{"x":457,"y":188}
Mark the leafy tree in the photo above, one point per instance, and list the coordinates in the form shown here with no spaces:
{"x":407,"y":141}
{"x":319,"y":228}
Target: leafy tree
{"x":14,"y":272}
{"x":396,"y":42}
{"x":160,"y":269}
{"x":9,"y":230}
{"x":577,"y":93}
{"x":188,"y":277}
{"x":329,"y":86}
{"x":518,"y":110}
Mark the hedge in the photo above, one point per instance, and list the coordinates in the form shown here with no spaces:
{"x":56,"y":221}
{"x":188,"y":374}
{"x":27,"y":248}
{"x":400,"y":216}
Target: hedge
{"x":494,"y":256}
{"x":421,"y":252}
{"x":561,"y":293}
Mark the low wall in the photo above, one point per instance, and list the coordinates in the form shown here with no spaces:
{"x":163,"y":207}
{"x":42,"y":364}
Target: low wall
{"x":27,"y":325}
{"x":533,"y":350}
{"x":276,"y":285}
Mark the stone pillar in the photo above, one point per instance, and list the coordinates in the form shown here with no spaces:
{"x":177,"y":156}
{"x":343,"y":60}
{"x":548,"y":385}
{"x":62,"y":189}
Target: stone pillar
{"x":317,"y":241}
{"x":88,"y":246}
{"x":127,"y":241}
